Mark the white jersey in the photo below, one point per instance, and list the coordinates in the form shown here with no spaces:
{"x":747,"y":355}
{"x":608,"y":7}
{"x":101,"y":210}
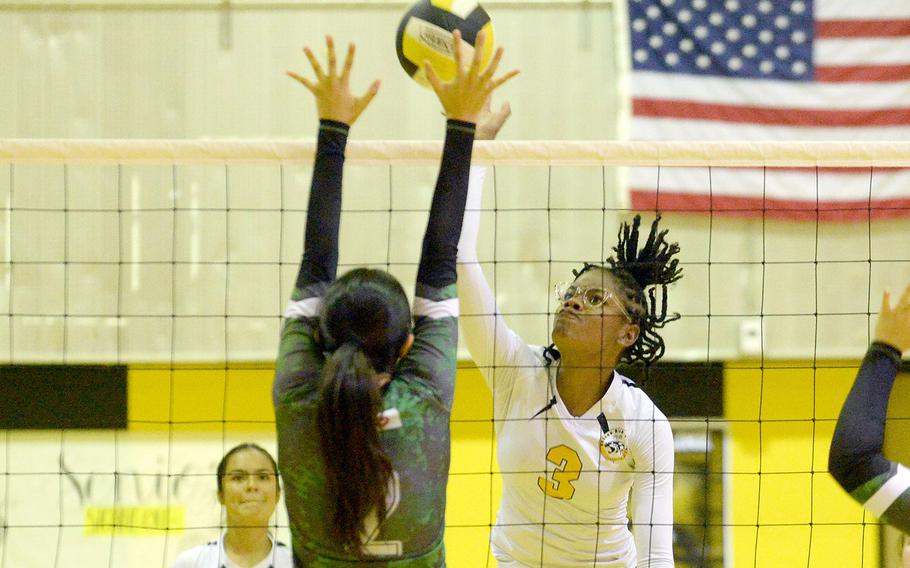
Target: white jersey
{"x":567,"y":481}
{"x":212,"y":555}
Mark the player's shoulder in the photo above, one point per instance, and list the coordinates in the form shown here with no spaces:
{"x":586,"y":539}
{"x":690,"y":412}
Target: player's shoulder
{"x":636,"y":401}
{"x":435,"y":303}
{"x":199,"y":556}
{"x":283,"y":556}
{"x":531,"y":367}
{"x":533,"y":363}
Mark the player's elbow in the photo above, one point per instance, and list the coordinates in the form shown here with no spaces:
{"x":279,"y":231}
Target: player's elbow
{"x":839,"y":465}
{"x":281,"y":384}
{"x":660,"y":557}
{"x":848,"y":466}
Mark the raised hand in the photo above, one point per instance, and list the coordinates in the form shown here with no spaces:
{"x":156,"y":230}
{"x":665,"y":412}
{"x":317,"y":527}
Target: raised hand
{"x":334,"y":100}
{"x":893,"y":325}
{"x":489,"y":123}
{"x":463,"y":98}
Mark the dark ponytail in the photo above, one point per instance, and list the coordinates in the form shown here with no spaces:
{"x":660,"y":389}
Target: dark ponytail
{"x":364,"y":323}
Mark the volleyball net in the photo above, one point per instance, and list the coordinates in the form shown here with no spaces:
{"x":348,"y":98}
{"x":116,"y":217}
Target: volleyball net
{"x":144,"y":282}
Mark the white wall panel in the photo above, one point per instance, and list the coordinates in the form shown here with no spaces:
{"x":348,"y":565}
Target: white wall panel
{"x":171,"y":72}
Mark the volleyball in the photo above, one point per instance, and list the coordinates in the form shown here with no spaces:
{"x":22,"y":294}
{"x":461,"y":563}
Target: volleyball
{"x":425,"y":33}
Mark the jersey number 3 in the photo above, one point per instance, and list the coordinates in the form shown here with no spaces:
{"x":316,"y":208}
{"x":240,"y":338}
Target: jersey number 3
{"x":567,"y":470}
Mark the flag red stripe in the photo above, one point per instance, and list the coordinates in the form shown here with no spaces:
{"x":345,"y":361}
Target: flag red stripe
{"x":664,"y":108}
{"x":797,"y":210}
{"x":861,"y":28}
{"x":829,"y":170}
{"x":862,"y":73}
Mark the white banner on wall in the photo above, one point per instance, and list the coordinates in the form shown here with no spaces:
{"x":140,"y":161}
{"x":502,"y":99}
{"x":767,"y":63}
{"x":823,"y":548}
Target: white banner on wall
{"x":95,"y":499}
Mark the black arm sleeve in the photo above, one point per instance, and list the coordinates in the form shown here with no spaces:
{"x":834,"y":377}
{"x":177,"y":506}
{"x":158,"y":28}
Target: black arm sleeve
{"x":440,"y":243}
{"x":856,"y":448}
{"x":320,"y":253}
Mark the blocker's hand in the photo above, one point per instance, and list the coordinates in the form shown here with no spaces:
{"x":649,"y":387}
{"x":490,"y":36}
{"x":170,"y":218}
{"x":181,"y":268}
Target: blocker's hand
{"x":463,"y":98}
{"x":893,"y":325}
{"x":489,"y":123}
{"x":334,"y":100}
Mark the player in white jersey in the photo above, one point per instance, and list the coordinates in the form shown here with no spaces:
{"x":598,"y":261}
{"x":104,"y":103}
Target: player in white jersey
{"x":213,"y":555}
{"x":248,"y":488}
{"x":581,"y":448}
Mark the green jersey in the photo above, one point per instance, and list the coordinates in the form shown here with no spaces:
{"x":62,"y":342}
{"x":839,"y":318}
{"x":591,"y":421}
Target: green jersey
{"x":417,"y":402}
{"x":415,"y":436}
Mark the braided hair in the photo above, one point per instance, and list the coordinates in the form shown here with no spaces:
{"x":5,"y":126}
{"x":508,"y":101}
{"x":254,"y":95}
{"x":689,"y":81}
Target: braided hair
{"x":640,"y":273}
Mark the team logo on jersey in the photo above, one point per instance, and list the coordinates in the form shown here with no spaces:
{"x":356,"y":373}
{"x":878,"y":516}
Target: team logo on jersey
{"x":613,"y":444}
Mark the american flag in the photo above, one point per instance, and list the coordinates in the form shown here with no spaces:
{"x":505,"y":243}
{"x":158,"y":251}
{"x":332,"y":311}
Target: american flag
{"x":771,"y":70}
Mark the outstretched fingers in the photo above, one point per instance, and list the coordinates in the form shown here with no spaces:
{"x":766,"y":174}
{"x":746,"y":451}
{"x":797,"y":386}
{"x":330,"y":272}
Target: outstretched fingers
{"x":496,"y":83}
{"x":334,"y":100}
{"x":487,"y":77}
{"x":364,"y":100}
{"x":493,"y":66}
{"x":886,"y":303}
{"x":330,"y":47}
{"x":458,"y":53}
{"x":904,"y":302}
{"x":464,"y":96}
{"x":302,"y":80}
{"x":348,"y":63}
{"x":477,"y":61}
{"x":314,"y":63}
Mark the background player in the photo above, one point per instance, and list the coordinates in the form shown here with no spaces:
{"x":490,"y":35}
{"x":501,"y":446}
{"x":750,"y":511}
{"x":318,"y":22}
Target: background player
{"x":362,"y":404}
{"x":576,"y":439}
{"x":856,"y":460}
{"x":248,"y":489}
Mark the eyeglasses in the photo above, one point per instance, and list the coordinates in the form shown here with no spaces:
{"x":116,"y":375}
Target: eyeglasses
{"x":592,"y":297}
{"x":243,"y":476}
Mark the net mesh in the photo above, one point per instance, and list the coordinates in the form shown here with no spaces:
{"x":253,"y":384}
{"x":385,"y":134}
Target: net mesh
{"x":171,"y":261}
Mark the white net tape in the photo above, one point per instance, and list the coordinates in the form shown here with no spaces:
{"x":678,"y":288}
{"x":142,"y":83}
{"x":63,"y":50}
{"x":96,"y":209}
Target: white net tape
{"x":668,"y":154}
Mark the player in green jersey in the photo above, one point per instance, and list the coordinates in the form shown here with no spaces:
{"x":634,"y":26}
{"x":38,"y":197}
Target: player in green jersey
{"x":363,"y":397}
{"x":856,"y":460}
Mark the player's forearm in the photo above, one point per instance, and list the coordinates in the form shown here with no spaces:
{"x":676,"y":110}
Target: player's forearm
{"x":652,"y":494}
{"x":478,"y":305}
{"x":320,"y":255}
{"x":652,"y":522}
{"x":488,"y":337}
{"x":856,"y":447}
{"x":470,"y":227}
{"x":440,"y":242}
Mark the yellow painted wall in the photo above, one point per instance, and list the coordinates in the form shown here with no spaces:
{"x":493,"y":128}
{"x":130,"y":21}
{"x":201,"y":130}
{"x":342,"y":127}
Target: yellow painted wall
{"x":474,"y":482}
{"x":784,"y":507}
{"x":216,"y":399}
{"x":201,"y":398}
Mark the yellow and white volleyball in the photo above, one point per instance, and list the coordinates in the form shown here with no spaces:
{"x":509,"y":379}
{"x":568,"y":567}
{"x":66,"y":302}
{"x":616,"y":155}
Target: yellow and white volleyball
{"x":425,"y":33}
